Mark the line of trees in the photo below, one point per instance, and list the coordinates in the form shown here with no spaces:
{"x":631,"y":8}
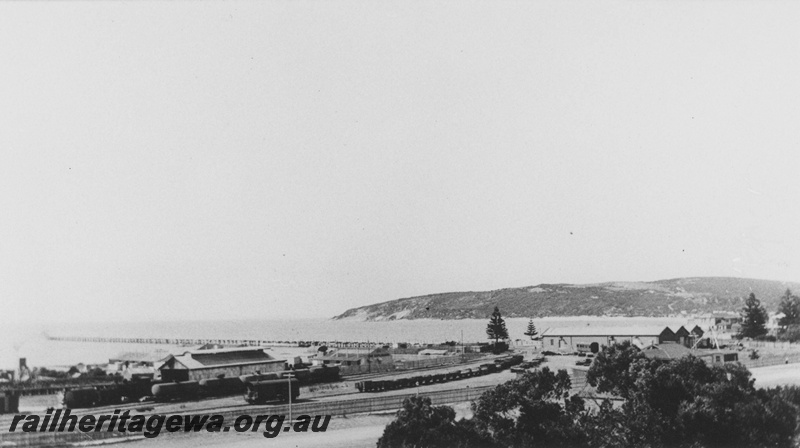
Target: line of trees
{"x":676,"y":403}
{"x":755,"y":318}
{"x":496,"y":330}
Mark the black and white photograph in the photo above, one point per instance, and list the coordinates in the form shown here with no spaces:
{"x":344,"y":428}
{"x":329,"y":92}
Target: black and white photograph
{"x":400,"y":224}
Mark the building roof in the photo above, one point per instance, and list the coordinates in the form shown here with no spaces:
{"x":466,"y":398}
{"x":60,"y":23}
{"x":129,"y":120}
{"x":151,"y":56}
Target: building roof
{"x":666,"y":350}
{"x":679,"y":330}
{"x":606,"y":331}
{"x":377,"y":351}
{"x":697,"y":330}
{"x":153,"y":356}
{"x":213,"y":358}
{"x":700,"y":353}
{"x":341,"y":358}
{"x":431,"y":351}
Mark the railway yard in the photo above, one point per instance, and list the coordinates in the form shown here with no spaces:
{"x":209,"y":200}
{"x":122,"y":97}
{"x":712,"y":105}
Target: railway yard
{"x":366,"y":411}
{"x":342,"y":390}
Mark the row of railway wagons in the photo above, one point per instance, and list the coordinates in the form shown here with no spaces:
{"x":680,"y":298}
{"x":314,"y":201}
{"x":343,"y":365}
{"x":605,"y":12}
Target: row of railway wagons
{"x":498,"y":365}
{"x":257,"y":388}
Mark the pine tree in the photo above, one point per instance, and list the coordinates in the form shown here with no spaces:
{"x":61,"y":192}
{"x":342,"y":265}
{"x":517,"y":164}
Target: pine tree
{"x":531,"y":330}
{"x":754,"y":318}
{"x":497,"y":327}
{"x":790,"y":307}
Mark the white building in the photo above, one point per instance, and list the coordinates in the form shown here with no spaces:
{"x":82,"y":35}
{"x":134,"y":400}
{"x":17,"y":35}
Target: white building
{"x":595,"y":338}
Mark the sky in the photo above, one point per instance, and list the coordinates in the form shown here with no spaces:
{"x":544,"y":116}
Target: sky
{"x":244,"y":159}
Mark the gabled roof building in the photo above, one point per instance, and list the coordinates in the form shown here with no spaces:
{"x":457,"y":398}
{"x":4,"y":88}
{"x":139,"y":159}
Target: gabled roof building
{"x":215,"y":363}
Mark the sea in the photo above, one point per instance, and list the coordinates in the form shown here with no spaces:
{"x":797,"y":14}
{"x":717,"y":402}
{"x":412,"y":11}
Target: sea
{"x":30,"y":341}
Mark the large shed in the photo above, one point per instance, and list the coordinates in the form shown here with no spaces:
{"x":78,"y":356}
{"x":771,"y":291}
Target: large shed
{"x":594,"y":338}
{"x":213,"y":363}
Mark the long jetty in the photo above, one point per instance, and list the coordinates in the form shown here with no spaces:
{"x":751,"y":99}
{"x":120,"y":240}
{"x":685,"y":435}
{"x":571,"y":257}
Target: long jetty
{"x":203,"y":341}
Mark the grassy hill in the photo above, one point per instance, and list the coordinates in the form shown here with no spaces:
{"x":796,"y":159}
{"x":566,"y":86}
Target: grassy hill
{"x":651,"y":299}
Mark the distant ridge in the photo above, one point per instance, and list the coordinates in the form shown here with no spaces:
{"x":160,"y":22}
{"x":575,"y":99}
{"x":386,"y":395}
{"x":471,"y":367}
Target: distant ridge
{"x":662,"y":298}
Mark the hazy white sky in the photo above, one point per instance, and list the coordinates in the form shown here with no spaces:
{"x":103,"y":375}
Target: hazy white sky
{"x":260,"y":159}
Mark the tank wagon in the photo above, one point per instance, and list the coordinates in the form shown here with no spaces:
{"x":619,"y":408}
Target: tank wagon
{"x":220,"y":387}
{"x":186,"y":390}
{"x":259,"y":377}
{"x":136,"y":390}
{"x":498,"y":365}
{"x":260,"y":392}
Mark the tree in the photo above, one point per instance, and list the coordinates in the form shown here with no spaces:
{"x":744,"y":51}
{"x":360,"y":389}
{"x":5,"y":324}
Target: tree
{"x":530,"y":411}
{"x":497,"y":327}
{"x":531,"y":330}
{"x":790,"y":307}
{"x":791,"y":333}
{"x":612,"y":369}
{"x":754,"y":318}
{"x":418,"y":424}
{"x":687,"y":403}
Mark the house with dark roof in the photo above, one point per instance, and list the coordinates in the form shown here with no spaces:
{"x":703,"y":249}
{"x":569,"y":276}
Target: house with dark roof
{"x":216,"y":363}
{"x":681,"y":335}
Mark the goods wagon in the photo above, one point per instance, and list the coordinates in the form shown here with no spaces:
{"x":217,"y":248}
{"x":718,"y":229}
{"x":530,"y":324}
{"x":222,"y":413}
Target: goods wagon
{"x":498,"y":365}
{"x":82,"y":398}
{"x":260,"y":392}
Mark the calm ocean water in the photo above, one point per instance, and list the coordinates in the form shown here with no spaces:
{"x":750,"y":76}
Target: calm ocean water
{"x":30,"y":342}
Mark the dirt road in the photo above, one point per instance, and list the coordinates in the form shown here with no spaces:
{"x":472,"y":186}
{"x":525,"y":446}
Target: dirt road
{"x":780,"y":375}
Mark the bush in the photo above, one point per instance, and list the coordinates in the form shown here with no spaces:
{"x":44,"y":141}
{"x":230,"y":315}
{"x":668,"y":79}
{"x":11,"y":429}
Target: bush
{"x":419,"y":424}
{"x":791,"y":334}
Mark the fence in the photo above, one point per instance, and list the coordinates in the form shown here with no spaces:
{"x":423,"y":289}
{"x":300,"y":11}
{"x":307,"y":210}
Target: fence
{"x":766,"y":344}
{"x":768,"y":359}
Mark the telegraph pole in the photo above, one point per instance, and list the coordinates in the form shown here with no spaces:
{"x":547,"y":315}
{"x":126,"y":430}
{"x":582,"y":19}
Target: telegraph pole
{"x":289,"y":377}
{"x":462,"y":346}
